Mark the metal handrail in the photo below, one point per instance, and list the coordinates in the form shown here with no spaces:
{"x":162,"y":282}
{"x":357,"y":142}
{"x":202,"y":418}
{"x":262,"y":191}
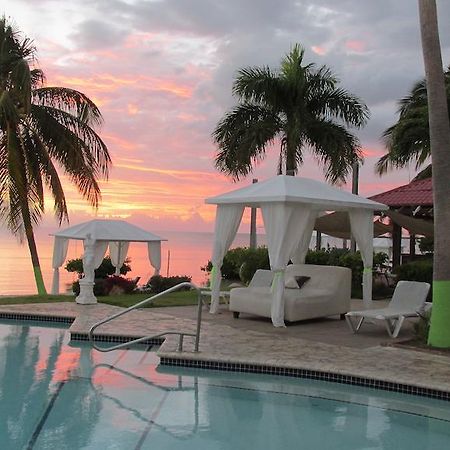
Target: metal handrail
{"x":145,"y":302}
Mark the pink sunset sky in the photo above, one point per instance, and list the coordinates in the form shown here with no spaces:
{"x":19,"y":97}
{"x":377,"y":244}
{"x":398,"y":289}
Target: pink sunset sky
{"x":161,"y":73}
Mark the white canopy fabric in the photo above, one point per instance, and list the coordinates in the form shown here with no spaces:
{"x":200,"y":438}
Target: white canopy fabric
{"x":228,"y":218}
{"x":362,"y":227}
{"x":289,"y":205}
{"x":285,"y":226}
{"x":118,"y":251}
{"x":99,"y":234}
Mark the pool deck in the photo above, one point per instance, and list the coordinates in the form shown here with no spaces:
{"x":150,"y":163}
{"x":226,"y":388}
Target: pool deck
{"x":324,"y":345}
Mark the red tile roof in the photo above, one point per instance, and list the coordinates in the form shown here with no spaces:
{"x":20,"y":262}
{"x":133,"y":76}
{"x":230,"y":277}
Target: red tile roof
{"x":416,"y":193}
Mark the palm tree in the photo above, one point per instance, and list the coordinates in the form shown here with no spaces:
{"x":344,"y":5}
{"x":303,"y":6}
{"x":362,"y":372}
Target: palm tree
{"x":42,"y":130}
{"x":408,"y":141}
{"x":440,"y":149}
{"x":299,"y":105}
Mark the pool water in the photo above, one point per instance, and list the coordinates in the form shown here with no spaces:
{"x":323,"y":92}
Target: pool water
{"x":56,"y":395}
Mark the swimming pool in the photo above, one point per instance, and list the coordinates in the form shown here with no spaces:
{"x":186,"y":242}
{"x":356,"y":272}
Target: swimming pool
{"x":57,"y":395}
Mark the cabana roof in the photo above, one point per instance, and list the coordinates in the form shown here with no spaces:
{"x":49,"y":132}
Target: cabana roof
{"x":286,"y":189}
{"x":416,"y":193}
{"x":108,"y":230}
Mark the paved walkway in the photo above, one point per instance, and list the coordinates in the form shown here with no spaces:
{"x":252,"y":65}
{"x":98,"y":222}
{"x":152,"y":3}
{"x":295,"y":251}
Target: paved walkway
{"x":324,"y":345}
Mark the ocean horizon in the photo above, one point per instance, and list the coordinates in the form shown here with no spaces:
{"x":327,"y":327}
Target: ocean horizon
{"x":184,"y":253}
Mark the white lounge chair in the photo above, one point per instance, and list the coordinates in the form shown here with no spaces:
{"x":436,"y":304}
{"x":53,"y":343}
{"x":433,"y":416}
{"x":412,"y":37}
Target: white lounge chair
{"x":408,"y":301}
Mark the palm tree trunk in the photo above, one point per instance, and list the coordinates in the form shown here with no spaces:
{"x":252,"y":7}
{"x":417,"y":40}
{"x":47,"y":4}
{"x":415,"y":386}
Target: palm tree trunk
{"x":440,"y":151}
{"x":33,"y":252}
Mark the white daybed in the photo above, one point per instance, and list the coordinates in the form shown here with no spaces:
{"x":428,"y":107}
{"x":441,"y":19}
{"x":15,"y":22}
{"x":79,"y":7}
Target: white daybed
{"x":326,"y":293}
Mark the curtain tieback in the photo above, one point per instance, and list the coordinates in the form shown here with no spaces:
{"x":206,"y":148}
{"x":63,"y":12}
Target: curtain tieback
{"x":276,"y":277}
{"x":213,"y":277}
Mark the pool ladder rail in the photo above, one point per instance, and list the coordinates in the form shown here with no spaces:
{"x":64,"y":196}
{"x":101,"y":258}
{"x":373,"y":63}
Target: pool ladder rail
{"x":147,"y":301}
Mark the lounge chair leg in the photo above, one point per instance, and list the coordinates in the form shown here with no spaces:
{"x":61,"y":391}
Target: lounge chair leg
{"x":359,"y":323}
{"x":351,"y":324}
{"x":398,"y":325}
{"x":236,"y":314}
{"x":393,"y":326}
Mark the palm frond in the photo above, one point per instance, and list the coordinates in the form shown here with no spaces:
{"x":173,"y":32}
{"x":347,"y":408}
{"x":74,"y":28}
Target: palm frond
{"x":70,"y":101}
{"x":335,"y":148}
{"x":257,"y":85}
{"x":70,"y":140}
{"x":242,"y":137}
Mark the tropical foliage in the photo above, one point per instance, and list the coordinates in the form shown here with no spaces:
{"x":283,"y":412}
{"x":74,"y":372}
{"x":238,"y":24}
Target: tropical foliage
{"x":408,"y":141}
{"x":44,"y":131}
{"x":105,"y":269}
{"x":299,"y":105}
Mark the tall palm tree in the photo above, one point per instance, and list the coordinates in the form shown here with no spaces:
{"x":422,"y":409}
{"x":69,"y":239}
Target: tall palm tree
{"x":440,"y":151}
{"x":42,"y":130}
{"x":301,"y":106}
{"x":408,"y":141}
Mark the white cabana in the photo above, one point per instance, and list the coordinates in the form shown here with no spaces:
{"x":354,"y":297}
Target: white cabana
{"x":97,"y":235}
{"x":289,"y":207}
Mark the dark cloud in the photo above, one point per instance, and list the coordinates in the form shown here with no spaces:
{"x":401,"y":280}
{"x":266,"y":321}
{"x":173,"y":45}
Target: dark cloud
{"x":96,"y":34}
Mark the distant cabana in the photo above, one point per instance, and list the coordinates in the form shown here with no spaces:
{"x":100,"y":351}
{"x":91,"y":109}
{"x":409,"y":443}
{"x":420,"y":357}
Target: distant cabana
{"x":337,"y":224}
{"x":97,"y":236}
{"x":290,"y":206}
{"x":410,"y":207}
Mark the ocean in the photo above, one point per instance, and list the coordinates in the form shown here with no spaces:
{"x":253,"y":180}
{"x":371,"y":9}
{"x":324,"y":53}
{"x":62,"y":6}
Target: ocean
{"x":184,"y":253}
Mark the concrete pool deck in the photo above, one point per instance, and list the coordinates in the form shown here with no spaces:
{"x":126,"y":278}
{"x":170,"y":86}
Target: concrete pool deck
{"x":324,"y":345}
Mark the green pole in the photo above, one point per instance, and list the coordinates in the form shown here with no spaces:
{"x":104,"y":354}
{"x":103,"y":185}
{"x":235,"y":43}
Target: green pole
{"x":39,"y":281}
{"x":439,"y":335}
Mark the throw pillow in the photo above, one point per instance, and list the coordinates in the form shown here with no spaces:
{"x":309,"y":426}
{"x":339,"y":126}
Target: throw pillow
{"x":301,"y":280}
{"x":291,"y":283}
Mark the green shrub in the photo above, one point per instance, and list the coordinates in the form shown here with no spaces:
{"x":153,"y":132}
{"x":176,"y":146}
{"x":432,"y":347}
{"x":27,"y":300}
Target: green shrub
{"x":157,"y":283}
{"x":106,"y":268}
{"x":120,"y":284}
{"x":104,"y":286}
{"x":242,"y":261}
{"x":422,"y":327}
{"x":416,"y":271}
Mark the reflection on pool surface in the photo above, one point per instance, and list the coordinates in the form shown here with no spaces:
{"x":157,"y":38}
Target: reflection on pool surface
{"x":59,"y":396}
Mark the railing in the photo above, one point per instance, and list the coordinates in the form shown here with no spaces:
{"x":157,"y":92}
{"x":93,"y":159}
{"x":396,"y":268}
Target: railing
{"x":166,"y":333}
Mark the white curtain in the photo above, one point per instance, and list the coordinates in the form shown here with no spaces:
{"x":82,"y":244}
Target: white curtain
{"x":60,"y":247}
{"x":228,"y":218}
{"x":95,"y":252}
{"x":154,"y":255}
{"x":361,"y":221}
{"x":100,"y":250}
{"x":300,"y":254}
{"x":285,"y":226}
{"x":118,"y":252}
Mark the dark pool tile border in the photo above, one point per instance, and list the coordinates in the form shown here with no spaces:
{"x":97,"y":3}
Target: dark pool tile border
{"x":309,"y":374}
{"x":238,"y":367}
{"x":116,"y":338}
{"x":35,"y":317}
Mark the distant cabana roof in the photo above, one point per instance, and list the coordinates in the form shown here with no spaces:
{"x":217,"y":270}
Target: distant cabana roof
{"x":410,"y":206}
{"x":416,"y":193}
{"x":108,"y":230}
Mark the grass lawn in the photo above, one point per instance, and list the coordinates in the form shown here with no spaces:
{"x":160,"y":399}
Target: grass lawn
{"x":181,"y":298}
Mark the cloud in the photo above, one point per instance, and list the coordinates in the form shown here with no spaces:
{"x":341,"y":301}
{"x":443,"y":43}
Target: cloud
{"x":162,"y":73}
